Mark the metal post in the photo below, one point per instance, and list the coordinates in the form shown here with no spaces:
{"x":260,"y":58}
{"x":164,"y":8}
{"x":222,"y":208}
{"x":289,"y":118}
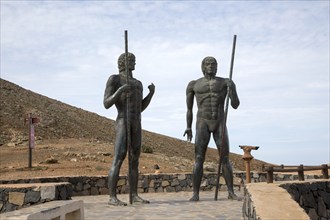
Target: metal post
{"x":128,"y":124}
{"x":247,"y":157}
{"x":248,"y":171}
{"x":225,"y":121}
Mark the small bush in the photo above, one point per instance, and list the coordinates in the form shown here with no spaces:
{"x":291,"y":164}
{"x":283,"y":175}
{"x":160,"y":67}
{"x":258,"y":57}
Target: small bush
{"x":147,"y":149}
{"x":99,"y":168}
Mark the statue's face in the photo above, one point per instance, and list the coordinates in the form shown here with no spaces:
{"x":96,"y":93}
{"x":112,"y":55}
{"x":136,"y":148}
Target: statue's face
{"x":131,"y":63}
{"x":210,"y":66}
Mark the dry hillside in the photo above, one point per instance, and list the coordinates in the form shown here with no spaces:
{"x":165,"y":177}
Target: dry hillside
{"x":72,"y":141}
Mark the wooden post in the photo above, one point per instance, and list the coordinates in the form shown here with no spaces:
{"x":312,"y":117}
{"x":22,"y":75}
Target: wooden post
{"x":270,"y":178}
{"x":325,"y":172}
{"x":301,"y":172}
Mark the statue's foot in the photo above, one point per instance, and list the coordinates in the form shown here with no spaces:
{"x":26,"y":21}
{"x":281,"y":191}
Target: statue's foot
{"x":194,"y":198}
{"x":233,"y":196}
{"x":138,"y":199}
{"x":116,"y":202}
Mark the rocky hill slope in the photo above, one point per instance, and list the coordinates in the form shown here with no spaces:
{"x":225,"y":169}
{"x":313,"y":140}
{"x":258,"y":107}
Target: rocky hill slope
{"x":59,"y":121}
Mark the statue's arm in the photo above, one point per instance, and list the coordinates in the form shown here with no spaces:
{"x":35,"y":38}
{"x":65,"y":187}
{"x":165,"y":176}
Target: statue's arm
{"x":189,"y":115}
{"x":111,"y":95}
{"x":234,"y":100}
{"x":147,"y":99}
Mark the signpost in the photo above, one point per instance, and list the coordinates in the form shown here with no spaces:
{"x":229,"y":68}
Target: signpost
{"x":31,"y":121}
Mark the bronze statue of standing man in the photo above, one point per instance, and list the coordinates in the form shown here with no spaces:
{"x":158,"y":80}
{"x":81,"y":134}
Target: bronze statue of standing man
{"x":210,"y":92}
{"x":116,"y":94}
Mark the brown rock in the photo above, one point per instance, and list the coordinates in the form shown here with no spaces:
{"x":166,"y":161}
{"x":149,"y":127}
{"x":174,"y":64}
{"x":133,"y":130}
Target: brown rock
{"x":16,"y":198}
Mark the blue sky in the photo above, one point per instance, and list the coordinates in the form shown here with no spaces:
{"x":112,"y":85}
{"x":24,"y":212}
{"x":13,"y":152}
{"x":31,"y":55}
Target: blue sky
{"x":66,"y":50}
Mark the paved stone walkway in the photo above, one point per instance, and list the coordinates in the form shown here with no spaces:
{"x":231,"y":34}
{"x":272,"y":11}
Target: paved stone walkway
{"x":165,"y":206}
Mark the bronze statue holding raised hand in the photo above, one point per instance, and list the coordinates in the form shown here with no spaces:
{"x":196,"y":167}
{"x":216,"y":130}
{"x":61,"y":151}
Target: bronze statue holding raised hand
{"x":116,"y":92}
{"x":210,"y":92}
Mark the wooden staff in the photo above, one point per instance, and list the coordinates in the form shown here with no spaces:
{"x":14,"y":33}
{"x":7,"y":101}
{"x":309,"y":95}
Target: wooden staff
{"x":225,"y":120}
{"x":128,"y":124}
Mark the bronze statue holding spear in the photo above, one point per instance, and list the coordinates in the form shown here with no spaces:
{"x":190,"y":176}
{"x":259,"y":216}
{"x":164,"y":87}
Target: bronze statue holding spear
{"x":211,"y":92}
{"x":126,"y":93}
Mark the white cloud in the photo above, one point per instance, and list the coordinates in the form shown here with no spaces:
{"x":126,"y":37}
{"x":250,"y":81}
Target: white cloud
{"x":66,"y":50}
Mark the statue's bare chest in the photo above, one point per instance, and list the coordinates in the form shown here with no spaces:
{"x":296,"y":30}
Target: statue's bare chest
{"x":135,"y":85}
{"x":213,"y":86}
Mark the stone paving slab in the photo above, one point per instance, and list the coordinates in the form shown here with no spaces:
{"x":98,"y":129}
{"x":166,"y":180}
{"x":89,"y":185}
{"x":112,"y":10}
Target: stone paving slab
{"x":165,"y":206}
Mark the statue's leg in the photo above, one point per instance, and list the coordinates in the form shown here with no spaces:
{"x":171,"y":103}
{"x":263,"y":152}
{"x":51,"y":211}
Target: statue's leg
{"x":135,"y":152}
{"x":120,"y":154}
{"x":227,"y":170}
{"x":201,"y":141}
{"x":228,"y":175}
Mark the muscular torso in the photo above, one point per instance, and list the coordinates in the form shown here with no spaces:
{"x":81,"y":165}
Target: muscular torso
{"x":210,"y":97}
{"x":135,"y":97}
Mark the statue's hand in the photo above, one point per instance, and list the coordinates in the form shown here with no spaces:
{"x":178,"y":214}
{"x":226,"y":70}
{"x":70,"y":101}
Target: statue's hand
{"x":151,"y":88}
{"x":188,"y":132}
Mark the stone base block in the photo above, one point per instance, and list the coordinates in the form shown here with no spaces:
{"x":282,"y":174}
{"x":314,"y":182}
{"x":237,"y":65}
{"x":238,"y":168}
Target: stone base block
{"x":16,"y":196}
{"x":55,"y":210}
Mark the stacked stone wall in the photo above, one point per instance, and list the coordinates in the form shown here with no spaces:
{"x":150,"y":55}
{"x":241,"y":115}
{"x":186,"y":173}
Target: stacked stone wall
{"x":313,"y":197}
{"x":248,"y":209}
{"x":13,"y":197}
{"x":97,"y":185}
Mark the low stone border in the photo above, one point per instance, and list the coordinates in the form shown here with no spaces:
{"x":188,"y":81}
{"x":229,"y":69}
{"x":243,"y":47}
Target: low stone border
{"x":55,"y":210}
{"x":163,"y":182}
{"x":16,"y":196}
{"x":287,"y":200}
{"x":97,"y":185}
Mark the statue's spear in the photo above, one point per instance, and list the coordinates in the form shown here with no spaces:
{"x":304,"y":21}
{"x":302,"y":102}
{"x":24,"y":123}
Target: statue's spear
{"x":128,"y":124}
{"x":225,"y":121}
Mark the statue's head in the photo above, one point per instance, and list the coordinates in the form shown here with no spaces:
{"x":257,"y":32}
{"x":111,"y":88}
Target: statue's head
{"x":121,"y":61}
{"x":209,"y":66}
